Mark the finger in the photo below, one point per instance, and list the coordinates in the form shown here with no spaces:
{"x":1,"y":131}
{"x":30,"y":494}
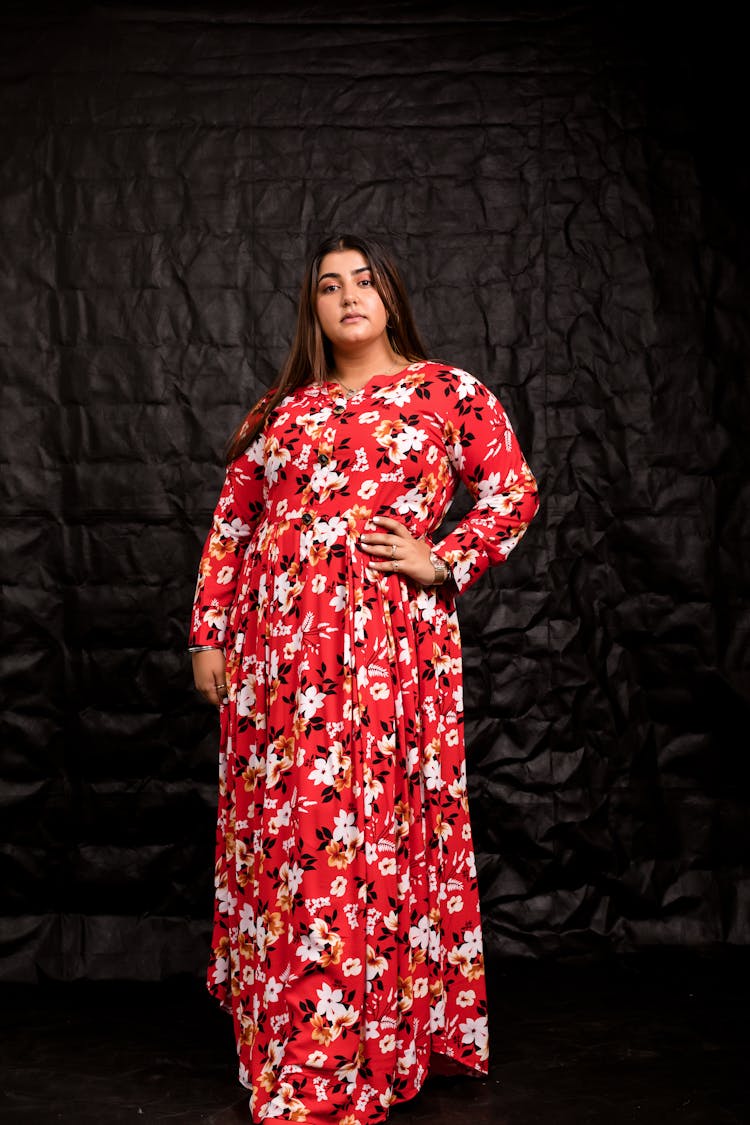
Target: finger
{"x":385,"y":548}
{"x":372,"y":539}
{"x":387,"y":565}
{"x":391,"y":525}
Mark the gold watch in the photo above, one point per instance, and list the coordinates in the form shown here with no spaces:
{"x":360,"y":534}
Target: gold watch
{"x":441,"y":569}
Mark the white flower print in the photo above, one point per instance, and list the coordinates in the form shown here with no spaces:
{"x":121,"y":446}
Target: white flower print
{"x":426,"y":603}
{"x":376,"y":963}
{"x":472,"y":943}
{"x":475,"y":1031}
{"x":461,"y":570}
{"x":247,"y":920}
{"x":489,"y":486}
{"x":309,"y":701}
{"x":467,"y":384}
{"x":329,"y":531}
{"x":398,"y":395}
{"x":324,"y":480}
{"x":273,"y":990}
{"x":216,"y":619}
{"x":419,"y":935}
{"x":311,"y":947}
{"x":417,"y":500}
{"x":245,"y":699}
{"x":399,"y":439}
{"x":502,"y":503}
{"x":437,"y":1016}
{"x":329,"y":1002}
{"x":323,"y":772}
{"x":234,"y":529}
{"x":290,"y":875}
{"x":367,"y":489}
{"x":346,"y":829}
{"x":285,"y":588}
{"x":283,"y":816}
{"x":275,"y":457}
{"x":361,"y":621}
{"x":338,"y":601}
{"x":225,"y":900}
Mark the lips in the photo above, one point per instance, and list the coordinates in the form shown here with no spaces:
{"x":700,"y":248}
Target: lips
{"x":351,"y":316}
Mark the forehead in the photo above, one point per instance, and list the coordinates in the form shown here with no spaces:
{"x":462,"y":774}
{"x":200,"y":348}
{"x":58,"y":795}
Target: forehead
{"x":342,"y":262}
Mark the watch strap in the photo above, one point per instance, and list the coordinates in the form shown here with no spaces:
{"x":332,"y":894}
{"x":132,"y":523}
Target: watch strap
{"x":442,"y":570}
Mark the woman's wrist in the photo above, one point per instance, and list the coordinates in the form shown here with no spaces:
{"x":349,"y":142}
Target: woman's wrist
{"x":441,"y":568}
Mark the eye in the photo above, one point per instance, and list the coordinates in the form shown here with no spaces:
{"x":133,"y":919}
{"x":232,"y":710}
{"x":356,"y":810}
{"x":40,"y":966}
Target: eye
{"x":328,"y":288}
{"x":365,"y":281}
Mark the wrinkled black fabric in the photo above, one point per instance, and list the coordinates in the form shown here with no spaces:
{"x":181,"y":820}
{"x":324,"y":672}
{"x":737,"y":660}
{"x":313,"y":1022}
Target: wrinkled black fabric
{"x":566,"y":188}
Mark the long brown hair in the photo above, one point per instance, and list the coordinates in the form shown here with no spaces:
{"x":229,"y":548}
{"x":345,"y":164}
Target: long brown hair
{"x":310,"y":357}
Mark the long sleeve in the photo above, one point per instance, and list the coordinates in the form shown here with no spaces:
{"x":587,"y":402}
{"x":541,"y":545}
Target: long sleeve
{"x":238,"y":510}
{"x":484,"y":452}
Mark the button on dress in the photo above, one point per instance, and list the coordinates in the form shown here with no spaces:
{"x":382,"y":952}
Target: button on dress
{"x":347,"y":940}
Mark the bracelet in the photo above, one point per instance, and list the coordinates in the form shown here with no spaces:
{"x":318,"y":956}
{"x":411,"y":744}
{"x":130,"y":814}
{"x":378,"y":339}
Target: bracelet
{"x":442,"y":570}
{"x":203,"y":648}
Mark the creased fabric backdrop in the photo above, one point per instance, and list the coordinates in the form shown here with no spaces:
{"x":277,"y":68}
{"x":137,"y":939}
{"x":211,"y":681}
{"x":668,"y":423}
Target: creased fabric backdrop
{"x":566,"y":187}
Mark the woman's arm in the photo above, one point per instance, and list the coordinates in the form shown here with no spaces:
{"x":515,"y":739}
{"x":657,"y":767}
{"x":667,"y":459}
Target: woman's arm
{"x":238,"y":510}
{"x":484,"y":451}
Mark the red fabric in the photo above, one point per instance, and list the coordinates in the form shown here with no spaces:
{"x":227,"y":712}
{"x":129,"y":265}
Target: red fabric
{"x":347,"y":939}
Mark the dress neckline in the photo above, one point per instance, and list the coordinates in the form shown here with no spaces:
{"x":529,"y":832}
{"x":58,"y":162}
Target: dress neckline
{"x":348,"y":393}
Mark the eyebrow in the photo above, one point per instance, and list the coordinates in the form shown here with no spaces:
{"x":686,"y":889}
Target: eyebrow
{"x":360,"y":269}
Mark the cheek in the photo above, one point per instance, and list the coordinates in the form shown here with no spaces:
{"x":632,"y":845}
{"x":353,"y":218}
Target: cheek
{"x":378,"y":310}
{"x":323,"y":314}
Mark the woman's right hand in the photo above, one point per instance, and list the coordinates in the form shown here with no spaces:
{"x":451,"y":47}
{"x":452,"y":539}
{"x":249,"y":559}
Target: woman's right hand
{"x":209,"y":673}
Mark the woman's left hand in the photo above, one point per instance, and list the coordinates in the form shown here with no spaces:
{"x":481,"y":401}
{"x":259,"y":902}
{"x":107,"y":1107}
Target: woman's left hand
{"x":394,"y":550}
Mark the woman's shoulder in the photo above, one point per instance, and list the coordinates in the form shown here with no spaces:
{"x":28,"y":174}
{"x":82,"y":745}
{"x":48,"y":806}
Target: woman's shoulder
{"x":445,"y":372}
{"x":451,"y":377}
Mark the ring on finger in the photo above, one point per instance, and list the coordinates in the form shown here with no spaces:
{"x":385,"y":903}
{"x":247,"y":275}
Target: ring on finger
{"x":393,"y":550}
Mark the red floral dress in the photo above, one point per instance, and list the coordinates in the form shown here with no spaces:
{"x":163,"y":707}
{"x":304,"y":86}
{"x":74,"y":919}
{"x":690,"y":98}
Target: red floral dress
{"x":347,"y":940}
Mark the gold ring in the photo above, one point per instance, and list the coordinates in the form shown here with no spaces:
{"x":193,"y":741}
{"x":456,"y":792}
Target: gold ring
{"x":395,"y":564}
{"x":393,"y":550}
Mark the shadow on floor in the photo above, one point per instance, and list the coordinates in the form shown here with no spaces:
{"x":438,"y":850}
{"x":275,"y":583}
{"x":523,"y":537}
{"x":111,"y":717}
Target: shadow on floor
{"x":652,"y":1039}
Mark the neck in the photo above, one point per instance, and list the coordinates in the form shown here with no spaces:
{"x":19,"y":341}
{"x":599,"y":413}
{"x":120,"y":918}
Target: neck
{"x":355,"y":368}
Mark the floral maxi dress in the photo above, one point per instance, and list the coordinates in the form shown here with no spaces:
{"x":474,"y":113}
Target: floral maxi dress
{"x":347,"y":941}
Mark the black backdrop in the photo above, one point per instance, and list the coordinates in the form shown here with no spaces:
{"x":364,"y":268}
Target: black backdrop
{"x":566,"y":187}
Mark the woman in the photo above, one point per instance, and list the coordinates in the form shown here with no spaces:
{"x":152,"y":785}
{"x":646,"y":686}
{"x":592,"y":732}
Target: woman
{"x":347,"y":940}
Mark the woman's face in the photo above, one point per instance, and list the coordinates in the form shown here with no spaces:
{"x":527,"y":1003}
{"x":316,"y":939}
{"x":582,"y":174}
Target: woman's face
{"x":348,"y":306}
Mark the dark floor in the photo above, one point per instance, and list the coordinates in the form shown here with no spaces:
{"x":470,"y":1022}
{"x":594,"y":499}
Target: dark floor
{"x":655,"y":1039}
